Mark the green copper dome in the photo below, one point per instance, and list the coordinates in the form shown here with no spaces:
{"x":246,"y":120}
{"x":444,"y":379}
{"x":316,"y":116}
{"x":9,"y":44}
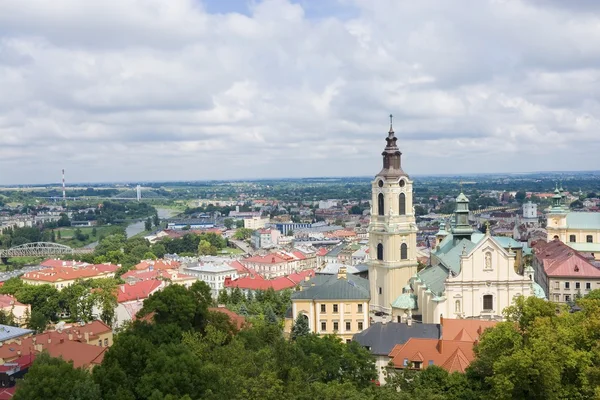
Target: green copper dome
{"x":406,"y":301}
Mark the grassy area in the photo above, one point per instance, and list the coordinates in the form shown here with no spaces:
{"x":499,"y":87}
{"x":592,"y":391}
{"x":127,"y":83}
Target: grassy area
{"x":231,"y":250}
{"x":67,"y":234}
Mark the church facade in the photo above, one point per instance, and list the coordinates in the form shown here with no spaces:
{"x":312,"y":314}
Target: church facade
{"x":472,"y":275}
{"x":392,"y":230}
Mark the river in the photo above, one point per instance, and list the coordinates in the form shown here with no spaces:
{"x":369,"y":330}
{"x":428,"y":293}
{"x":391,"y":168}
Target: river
{"x":137,"y":227}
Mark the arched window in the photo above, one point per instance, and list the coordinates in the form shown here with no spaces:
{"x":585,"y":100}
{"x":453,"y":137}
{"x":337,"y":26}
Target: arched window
{"x":402,"y":204}
{"x":403,"y":251}
{"x":380,"y":252}
{"x":380,"y":204}
{"x":488,"y":302}
{"x":457,"y":306}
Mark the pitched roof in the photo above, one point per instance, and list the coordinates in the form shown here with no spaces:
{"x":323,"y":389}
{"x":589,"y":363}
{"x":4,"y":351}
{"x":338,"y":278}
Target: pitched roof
{"x":238,"y":320}
{"x":65,"y":273}
{"x":583,"y":220}
{"x":470,"y":329}
{"x":157,"y":264}
{"x":239,"y":267}
{"x":82,"y":354}
{"x":7,"y":300}
{"x":561,"y":260}
{"x":138,"y":290}
{"x":257,"y":282}
{"x":381,"y":338}
{"x":452,"y":355}
{"x":330,"y":287}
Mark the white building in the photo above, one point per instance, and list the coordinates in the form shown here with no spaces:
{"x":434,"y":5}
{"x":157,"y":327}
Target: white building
{"x":213,"y":275}
{"x":256,"y":222}
{"x":530,"y":212}
{"x":327,"y":204}
{"x":471,"y":275}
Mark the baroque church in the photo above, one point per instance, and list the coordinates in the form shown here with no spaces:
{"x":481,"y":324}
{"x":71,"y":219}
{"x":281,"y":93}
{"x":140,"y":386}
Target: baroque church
{"x":471,"y":274}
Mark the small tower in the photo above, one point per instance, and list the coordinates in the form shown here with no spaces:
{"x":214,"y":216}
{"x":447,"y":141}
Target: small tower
{"x":557,"y":218}
{"x":461,"y":229}
{"x":441,"y":234}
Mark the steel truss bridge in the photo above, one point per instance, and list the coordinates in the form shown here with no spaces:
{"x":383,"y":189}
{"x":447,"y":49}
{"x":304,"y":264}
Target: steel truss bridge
{"x":41,"y":249}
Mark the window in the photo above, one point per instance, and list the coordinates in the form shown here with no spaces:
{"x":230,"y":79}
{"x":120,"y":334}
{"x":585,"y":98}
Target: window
{"x":380,"y":290}
{"x":402,"y":183}
{"x":572,"y":238}
{"x":348,"y":341}
{"x":403,"y":251}
{"x":380,"y":204}
{"x":360,"y":325}
{"x":336,"y":326}
{"x":406,"y":362}
{"x":557,"y":285}
{"x":348,"y":325}
{"x":589,"y":239}
{"x":323,"y":326}
{"x":417,"y":364}
{"x":335,"y":308}
{"x":567,"y":297}
{"x":567,"y":285}
{"x":323,"y":308}
{"x":100,"y":343}
{"x":556,"y":297}
{"x":360,"y":308}
{"x":457,"y":306}
{"x":577,"y":285}
{"x":488,"y":302}
{"x":105,"y":342}
{"x":380,"y":252}
{"x":380,"y":183}
{"x":430,"y":362}
{"x":402,"y":204}
{"x":588,"y":286}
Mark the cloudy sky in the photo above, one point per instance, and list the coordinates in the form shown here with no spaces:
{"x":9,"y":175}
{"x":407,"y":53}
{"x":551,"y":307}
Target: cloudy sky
{"x":133,"y":90}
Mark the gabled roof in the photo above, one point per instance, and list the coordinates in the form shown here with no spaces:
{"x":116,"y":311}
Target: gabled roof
{"x":330,"y":287}
{"x":560,"y":260}
{"x":470,"y":329}
{"x":137,"y":291}
{"x":452,"y":355}
{"x":381,"y":338}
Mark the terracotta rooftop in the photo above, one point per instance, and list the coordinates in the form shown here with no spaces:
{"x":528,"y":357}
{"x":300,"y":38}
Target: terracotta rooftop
{"x":257,"y":282}
{"x":65,"y":273}
{"x":7,"y":300}
{"x":238,"y":320}
{"x":158,"y":264}
{"x":138,"y":290}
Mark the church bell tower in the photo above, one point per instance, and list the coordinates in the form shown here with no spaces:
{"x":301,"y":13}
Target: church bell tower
{"x":392,"y":231}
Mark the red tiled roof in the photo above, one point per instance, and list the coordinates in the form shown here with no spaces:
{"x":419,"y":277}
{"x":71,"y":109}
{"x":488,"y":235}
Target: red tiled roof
{"x":452,"y":355}
{"x":322,"y":251}
{"x":137,"y":291}
{"x":157,"y":264}
{"x":561,"y":260}
{"x":7,"y":300}
{"x":63,"y":273}
{"x":82,"y":354}
{"x":257,"y":282}
{"x":7,"y":393}
{"x":239,"y":267}
{"x":299,"y":255}
{"x":273,"y":258}
{"x":470,"y":329}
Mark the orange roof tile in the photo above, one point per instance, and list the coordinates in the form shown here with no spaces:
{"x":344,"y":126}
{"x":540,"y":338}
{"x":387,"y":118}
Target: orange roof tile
{"x":137,"y":291}
{"x":65,"y":273}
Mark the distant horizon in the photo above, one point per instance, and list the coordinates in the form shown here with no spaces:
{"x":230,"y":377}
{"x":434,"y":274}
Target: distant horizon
{"x":141,"y":182}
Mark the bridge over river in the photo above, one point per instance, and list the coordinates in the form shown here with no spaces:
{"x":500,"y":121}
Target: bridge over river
{"x":40,"y":249}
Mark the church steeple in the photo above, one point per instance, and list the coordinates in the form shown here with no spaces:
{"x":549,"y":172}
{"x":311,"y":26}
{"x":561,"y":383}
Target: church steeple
{"x":461,"y":229}
{"x":391,"y":156}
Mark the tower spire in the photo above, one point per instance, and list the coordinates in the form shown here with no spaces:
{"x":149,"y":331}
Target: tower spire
{"x":391,"y":155}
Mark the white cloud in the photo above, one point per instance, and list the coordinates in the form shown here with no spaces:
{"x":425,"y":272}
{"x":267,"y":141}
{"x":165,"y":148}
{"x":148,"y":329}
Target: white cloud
{"x":152,"y":89}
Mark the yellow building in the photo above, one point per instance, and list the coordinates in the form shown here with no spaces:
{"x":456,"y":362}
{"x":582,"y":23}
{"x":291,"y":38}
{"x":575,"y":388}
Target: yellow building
{"x":333,"y":304}
{"x":579,"y":230}
{"x":392,"y":230}
{"x":64,"y":276}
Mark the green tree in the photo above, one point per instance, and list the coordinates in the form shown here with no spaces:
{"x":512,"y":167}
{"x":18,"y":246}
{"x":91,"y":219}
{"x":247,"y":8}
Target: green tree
{"x":520,"y":196}
{"x":37,"y":322}
{"x":94,"y":232}
{"x":53,"y":378}
{"x":242,"y":234}
{"x":228,"y":222}
{"x":155,"y":220}
{"x":239,"y":223}
{"x":223,"y":297}
{"x":206,"y":249}
{"x":300,"y":327}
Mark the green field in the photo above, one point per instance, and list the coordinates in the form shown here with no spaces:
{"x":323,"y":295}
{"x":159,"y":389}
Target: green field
{"x":68,"y":233}
{"x":231,"y":250}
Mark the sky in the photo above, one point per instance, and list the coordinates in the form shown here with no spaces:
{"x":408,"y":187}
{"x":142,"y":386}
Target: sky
{"x":155,"y":90}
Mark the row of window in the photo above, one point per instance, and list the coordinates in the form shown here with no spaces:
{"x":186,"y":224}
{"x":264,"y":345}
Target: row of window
{"x":335,"y":308}
{"x":416,"y":364}
{"x":588,"y":285}
{"x":403,"y":251}
{"x":566,"y":297}
{"x":336,"y":326}
{"x":401,"y":204}
{"x":588,"y":238}
{"x":105,"y":342}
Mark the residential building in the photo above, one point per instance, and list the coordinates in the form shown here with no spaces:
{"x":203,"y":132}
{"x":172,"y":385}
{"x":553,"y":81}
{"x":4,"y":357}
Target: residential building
{"x":255,"y":282}
{"x":160,"y":264}
{"x":213,"y":275}
{"x":333,"y":304}
{"x":471,"y":275}
{"x":170,"y":275}
{"x":130,"y":299}
{"x":392,"y":230}
{"x":64,"y":276}
{"x":256,"y":222}
{"x":381,"y":338}
{"x":10,"y":305}
{"x":273,"y":264}
{"x":563,"y":272}
{"x":453,"y":350}
{"x":265,"y":238}
{"x":10,"y":333}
